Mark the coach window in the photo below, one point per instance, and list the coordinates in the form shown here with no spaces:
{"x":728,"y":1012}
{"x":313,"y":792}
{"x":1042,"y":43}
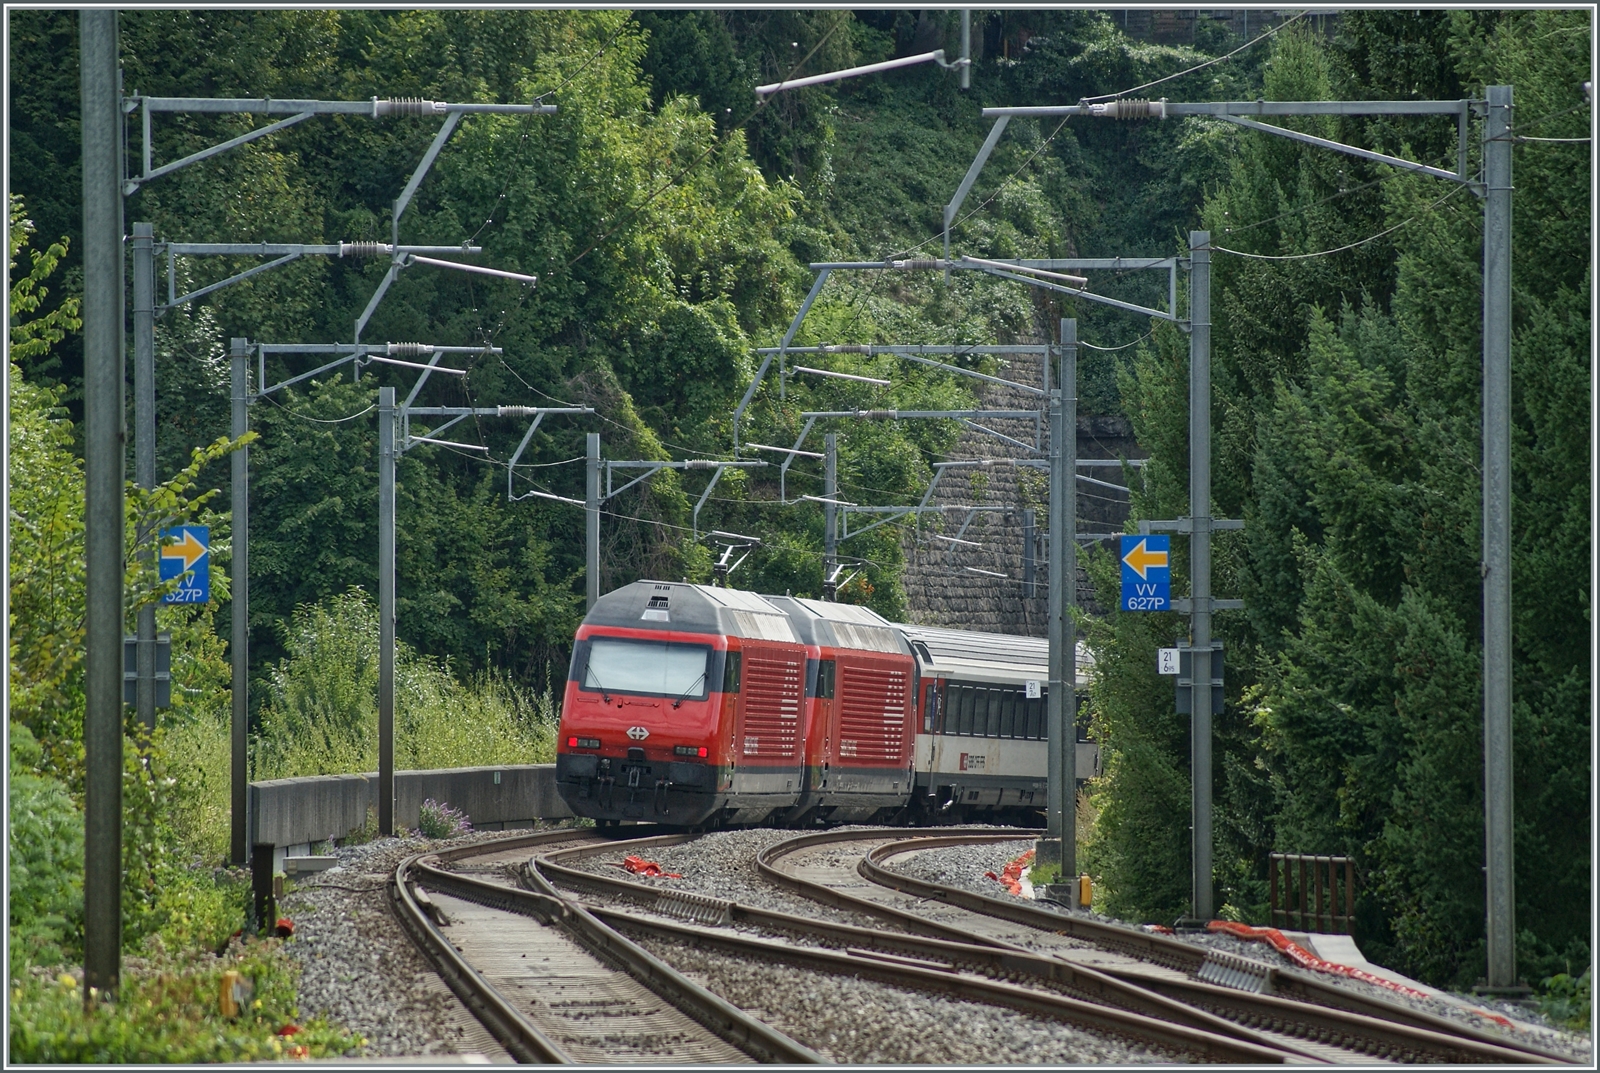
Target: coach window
{"x":959,"y":720}
{"x":930,"y":707}
{"x":1008,"y":714}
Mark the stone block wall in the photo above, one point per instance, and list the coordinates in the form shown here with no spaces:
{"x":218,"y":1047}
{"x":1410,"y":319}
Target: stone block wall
{"x":942,"y":582}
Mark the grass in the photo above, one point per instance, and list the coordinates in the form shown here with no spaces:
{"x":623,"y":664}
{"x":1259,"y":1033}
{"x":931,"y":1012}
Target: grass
{"x":320,"y":716}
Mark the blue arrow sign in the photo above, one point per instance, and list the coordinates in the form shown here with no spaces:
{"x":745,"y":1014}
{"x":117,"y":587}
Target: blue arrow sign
{"x":1146,"y":573}
{"x":186,"y":554}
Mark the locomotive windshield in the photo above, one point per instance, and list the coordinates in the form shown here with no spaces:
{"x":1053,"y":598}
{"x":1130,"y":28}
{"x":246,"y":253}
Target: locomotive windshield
{"x":655,"y":668}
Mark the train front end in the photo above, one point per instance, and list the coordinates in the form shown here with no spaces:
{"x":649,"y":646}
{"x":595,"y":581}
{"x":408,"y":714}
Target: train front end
{"x":641,"y":735}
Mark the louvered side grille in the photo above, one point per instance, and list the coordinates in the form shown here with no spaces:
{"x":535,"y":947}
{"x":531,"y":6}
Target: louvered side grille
{"x":872,"y":715}
{"x":773,"y":689}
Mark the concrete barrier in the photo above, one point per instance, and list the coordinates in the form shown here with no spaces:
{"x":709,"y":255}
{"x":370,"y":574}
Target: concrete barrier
{"x":299,"y":812}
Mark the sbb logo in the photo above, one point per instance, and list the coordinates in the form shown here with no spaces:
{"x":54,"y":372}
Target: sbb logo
{"x":638,"y":733}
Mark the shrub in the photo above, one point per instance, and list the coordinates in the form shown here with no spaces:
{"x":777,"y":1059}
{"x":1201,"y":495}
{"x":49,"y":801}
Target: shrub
{"x":1567,"y":1001}
{"x":436,"y":820}
{"x":167,"y":1012}
{"x":46,"y":844}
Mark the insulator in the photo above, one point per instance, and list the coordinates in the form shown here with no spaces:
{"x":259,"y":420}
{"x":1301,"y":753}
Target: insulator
{"x":848,"y":348}
{"x":1131,"y":108}
{"x":406,"y":106}
{"x":920,"y":263}
{"x":365,"y":249}
{"x":877,"y":415}
{"x":410,"y":350}
{"x":700,"y":463}
{"x":516,"y":411}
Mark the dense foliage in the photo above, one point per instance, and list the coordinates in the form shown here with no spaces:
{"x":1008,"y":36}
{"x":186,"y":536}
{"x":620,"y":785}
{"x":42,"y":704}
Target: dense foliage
{"x":1346,"y":407}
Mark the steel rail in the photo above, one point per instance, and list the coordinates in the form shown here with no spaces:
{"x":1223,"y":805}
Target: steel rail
{"x":941,"y":979}
{"x":1436,"y":1034}
{"x":1378,"y":1036}
{"x":1122,"y":938}
{"x":1373,"y":1030}
{"x":510,"y":1027}
{"x":840,"y":900}
{"x":720,"y":1017}
{"x":1004,"y":962}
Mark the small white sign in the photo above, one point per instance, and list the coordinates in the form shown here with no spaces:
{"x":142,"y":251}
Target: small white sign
{"x":1033,"y":691}
{"x":1166,"y":661}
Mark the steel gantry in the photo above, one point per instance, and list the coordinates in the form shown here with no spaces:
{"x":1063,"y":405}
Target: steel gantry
{"x":1494,"y":188}
{"x":594,"y":499}
{"x":144,"y":249}
{"x":1060,"y":403}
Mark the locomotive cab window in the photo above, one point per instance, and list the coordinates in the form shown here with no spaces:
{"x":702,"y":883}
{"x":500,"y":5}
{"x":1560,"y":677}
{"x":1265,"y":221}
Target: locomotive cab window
{"x":644,"y":668}
{"x":825,"y":677}
{"x":730,"y":675}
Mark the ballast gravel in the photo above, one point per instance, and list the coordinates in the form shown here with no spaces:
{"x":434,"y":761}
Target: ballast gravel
{"x":360,"y":970}
{"x":964,"y":867}
{"x":861,"y":1022}
{"x":722,"y":865}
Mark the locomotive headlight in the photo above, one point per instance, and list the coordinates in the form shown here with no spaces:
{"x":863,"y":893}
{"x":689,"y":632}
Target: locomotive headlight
{"x":690,"y":750}
{"x":583,"y":743}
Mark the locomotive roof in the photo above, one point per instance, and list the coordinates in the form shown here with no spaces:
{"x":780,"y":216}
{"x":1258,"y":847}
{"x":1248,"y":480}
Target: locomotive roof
{"x":662,"y":605}
{"x":841,"y":625}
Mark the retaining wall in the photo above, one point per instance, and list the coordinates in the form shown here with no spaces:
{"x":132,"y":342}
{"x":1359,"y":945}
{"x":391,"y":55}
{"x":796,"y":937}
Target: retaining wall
{"x":298,"y":812}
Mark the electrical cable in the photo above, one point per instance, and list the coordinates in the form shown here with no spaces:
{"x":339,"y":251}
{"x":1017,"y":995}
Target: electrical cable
{"x":1438,"y":161}
{"x":1179,"y":74}
{"x":715,"y":144}
{"x":309,"y":887}
{"x":1525,"y":138}
{"x":1341,"y":249}
{"x":527,"y":125}
{"x":1530,"y":124}
{"x":1124,"y":346}
{"x":317,"y":420}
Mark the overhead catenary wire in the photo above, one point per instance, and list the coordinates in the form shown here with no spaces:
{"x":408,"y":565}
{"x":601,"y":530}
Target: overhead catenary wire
{"x":672,"y":181}
{"x":1200,"y":67}
{"x":318,"y":420}
{"x":527,"y":126}
{"x":1340,"y":249}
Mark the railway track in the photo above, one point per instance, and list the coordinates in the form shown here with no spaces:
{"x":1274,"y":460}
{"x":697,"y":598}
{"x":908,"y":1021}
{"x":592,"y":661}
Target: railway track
{"x":552,"y":983}
{"x":961,"y":936}
{"x":1325,"y":1009}
{"x":558,"y":978}
{"x":1293,"y":1008}
{"x":904,"y":962}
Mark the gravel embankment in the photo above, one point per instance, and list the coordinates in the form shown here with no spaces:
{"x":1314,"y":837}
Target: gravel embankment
{"x":361,"y":971}
{"x":860,"y":1022}
{"x":964,"y":867}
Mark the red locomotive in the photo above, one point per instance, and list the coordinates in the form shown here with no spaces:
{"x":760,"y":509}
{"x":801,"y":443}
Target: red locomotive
{"x":693,"y":705}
